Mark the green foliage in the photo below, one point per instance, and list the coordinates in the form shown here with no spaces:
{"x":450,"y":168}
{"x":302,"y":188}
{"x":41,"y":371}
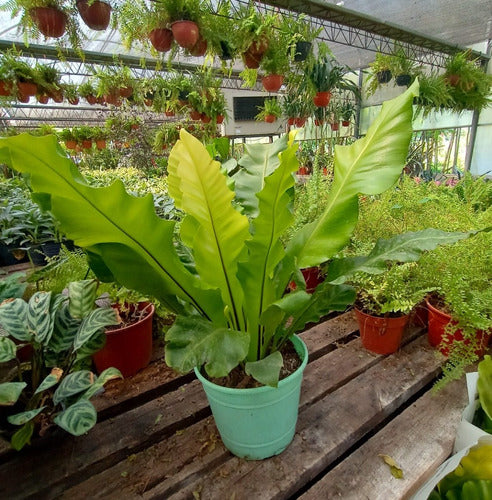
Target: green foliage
{"x":12,"y":286}
{"x":271,"y":107}
{"x":234,"y":286}
{"x":62,"y":331}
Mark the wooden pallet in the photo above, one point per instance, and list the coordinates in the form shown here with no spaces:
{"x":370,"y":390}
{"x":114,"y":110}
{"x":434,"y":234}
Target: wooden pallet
{"x":155,"y":437}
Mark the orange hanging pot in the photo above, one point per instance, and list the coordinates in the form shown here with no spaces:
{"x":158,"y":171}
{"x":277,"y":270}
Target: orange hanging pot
{"x":96,"y":15}
{"x":50,"y":21}
{"x":186,"y":33}
{"x":161,"y":39}
{"x":322,"y":99}
{"x":272,"y":83}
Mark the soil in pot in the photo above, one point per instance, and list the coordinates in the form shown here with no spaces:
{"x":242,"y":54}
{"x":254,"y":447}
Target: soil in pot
{"x":51,"y":22}
{"x":128,"y":345}
{"x":381,"y":335}
{"x":96,"y":15}
{"x":186,"y":33}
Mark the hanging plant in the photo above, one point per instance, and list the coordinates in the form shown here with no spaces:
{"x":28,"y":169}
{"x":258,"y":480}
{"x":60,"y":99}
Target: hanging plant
{"x":270,"y":111}
{"x":96,"y":14}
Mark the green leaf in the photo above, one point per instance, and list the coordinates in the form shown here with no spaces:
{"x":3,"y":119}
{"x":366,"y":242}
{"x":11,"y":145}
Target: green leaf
{"x":192,"y":342}
{"x":8,"y":349}
{"x":258,"y":163}
{"x":407,"y":247}
{"x":484,"y":384}
{"x":123,"y":231}
{"x":94,"y":344}
{"x":368,"y":166}
{"x":266,"y":249}
{"x":78,"y":418}
{"x":106,"y":376}
{"x":22,"y":436}
{"x":13,"y":318}
{"x":213,"y":228}
{"x":10,"y":392}
{"x":25,"y":416}
{"x":82,"y":297}
{"x":39,"y":318}
{"x":64,"y":331}
{"x":394,"y":469}
{"x":93,"y":324}
{"x":50,"y":380}
{"x":266,"y":370}
{"x":73,"y":383}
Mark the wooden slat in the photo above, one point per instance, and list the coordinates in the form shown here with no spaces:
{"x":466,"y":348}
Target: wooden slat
{"x":419,"y":440}
{"x":326,"y":430}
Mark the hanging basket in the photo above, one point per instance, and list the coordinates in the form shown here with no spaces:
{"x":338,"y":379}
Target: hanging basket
{"x":272,"y":83}
{"x":251,"y":61}
{"x":161,"y":39}
{"x":186,"y":33}
{"x":199,"y":48}
{"x":51,"y":22}
{"x":384,"y":76}
{"x":27,"y":88}
{"x":345,"y":123}
{"x":96,"y":15}
{"x":322,"y":99}
{"x":403,"y":80}
{"x":302,"y":50}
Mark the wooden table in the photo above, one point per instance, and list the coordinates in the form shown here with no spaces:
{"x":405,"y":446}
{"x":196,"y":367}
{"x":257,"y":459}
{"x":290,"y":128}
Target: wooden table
{"x":155,"y":436}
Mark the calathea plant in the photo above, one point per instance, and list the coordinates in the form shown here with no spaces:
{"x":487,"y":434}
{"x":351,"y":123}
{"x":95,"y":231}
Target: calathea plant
{"x":54,"y":386}
{"x":229,"y":296}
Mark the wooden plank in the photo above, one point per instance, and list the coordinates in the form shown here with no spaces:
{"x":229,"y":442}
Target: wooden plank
{"x":419,"y":440}
{"x":106,"y":444}
{"x":325,"y":431}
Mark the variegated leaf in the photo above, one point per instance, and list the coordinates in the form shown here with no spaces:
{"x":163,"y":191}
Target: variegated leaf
{"x":10,"y":392}
{"x":39,"y":318}
{"x":78,"y":418}
{"x":25,"y":416}
{"x":106,"y":376}
{"x":7,"y":349}
{"x":73,"y":383}
{"x":95,"y":343}
{"x":13,"y":318}
{"x":51,"y":380}
{"x":65,"y":330}
{"x":96,"y":322}
{"x":82,"y":296}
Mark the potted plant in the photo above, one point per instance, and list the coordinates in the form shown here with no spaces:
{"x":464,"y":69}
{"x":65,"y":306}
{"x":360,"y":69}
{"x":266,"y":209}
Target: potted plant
{"x":83,"y":136}
{"x":67,"y":136}
{"x":96,"y":14}
{"x":347,"y":111}
{"x":55,"y":386}
{"x":23,"y":80}
{"x":99,"y":136}
{"x":301,"y":36}
{"x":270,"y":110}
{"x":380,"y":72}
{"x":275,"y":61}
{"x":242,"y":317}
{"x":71,"y":93}
{"x":88,"y":91}
{"x":403,"y":68}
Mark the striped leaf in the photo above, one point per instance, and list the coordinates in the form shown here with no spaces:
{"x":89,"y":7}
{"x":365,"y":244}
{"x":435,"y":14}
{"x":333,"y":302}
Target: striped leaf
{"x":22,"y":436}
{"x":106,"y":376}
{"x":65,"y":330}
{"x":78,"y":418}
{"x":96,"y":322}
{"x":39,"y":317}
{"x":10,"y":392}
{"x":82,"y":296}
{"x":51,"y":380}
{"x":25,"y":416}
{"x":7,"y":349}
{"x":13,"y":318}
{"x":73,"y":383}
{"x":94,"y":344}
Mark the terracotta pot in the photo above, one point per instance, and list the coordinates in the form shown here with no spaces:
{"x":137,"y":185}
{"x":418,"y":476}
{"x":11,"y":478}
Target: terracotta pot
{"x":303,"y":171}
{"x":71,"y":144}
{"x":251,"y":61}
{"x":205,"y":118}
{"x":113,"y":99}
{"x":125,"y":92}
{"x":270,"y":118}
{"x":5,"y":88}
{"x":438,"y":321}
{"x":318,"y":123}
{"x":199,"y":48}
{"x":91,"y":99}
{"x":322,"y":99}
{"x":290,"y":121}
{"x":220,"y":119}
{"x":335,"y":126}
{"x":384,"y":76}
{"x":259,"y":47}
{"x":51,"y":22}
{"x":57,"y":96}
{"x":101,"y":144}
{"x":74,"y":101}
{"x":312,"y":275}
{"x":42,"y":99}
{"x":86,"y":144}
{"x":195,"y":115}
{"x":161,"y":39}
{"x":345,"y":123}
{"x":299,"y":122}
{"x":23,"y":98}
{"x":381,"y":335}
{"x":96,"y":15}
{"x":27,"y":88}
{"x":186,"y":33}
{"x":272,"y":83}
{"x":129,"y":348}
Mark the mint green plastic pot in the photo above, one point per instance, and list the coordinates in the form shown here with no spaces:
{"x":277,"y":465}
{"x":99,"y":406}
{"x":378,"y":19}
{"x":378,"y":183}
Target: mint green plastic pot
{"x":257,"y":423}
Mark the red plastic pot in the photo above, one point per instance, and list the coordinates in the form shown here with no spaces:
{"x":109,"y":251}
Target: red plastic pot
{"x":322,"y":99}
{"x":270,"y":118}
{"x":57,"y":96}
{"x":205,"y":118}
{"x":381,"y":335}
{"x":91,"y":99}
{"x":303,"y":171}
{"x":299,"y":122}
{"x":71,"y":144}
{"x":50,"y":21}
{"x":199,"y":48}
{"x":290,"y":121}
{"x":220,"y":119}
{"x":101,"y":144}
{"x":272,"y":83}
{"x":5,"y":88}
{"x":27,"y":88}
{"x":186,"y":33}
{"x":259,"y":47}
{"x":129,"y":348}
{"x":335,"y":126}
{"x":318,"y":123}
{"x":96,"y":15}
{"x":345,"y":123}
{"x":86,"y":144}
{"x":251,"y":61}
{"x":437,"y":323}
{"x":161,"y":39}
{"x":74,"y":101}
{"x":23,"y":98}
{"x":169,"y":113}
{"x":195,"y":115}
{"x":125,"y":92}
{"x":42,"y":99}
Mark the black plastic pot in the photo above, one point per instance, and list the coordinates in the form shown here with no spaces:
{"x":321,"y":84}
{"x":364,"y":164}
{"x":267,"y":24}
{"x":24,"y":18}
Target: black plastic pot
{"x":384,"y":76}
{"x":7,"y":257}
{"x":302,"y":51}
{"x":403,"y":80}
{"x":36,"y":255}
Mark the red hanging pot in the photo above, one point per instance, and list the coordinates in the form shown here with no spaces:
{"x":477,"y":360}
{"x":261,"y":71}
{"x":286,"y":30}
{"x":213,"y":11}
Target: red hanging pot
{"x":299,"y":122}
{"x":335,"y":126}
{"x":71,"y":144}
{"x":161,"y":39}
{"x":199,"y":48}
{"x":220,"y":119}
{"x":259,"y":47}
{"x":251,"y":61}
{"x":43,"y":99}
{"x":5,"y":88}
{"x":322,"y":99}
{"x":186,"y":33}
{"x":96,"y":15}
{"x":91,"y":99}
{"x":86,"y":144}
{"x":172,"y":113}
{"x":126,"y":92}
{"x":205,"y":118}
{"x":345,"y":123}
{"x":101,"y":144}
{"x":57,"y":96}
{"x":129,"y":348}
{"x":272,"y":83}
{"x":23,"y":98}
{"x":195,"y":115}
{"x":270,"y":118}
{"x":27,"y":88}
{"x":290,"y":121}
{"x":51,"y":22}
{"x":317,"y":122}
{"x":74,"y":101}
{"x":381,"y":335}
